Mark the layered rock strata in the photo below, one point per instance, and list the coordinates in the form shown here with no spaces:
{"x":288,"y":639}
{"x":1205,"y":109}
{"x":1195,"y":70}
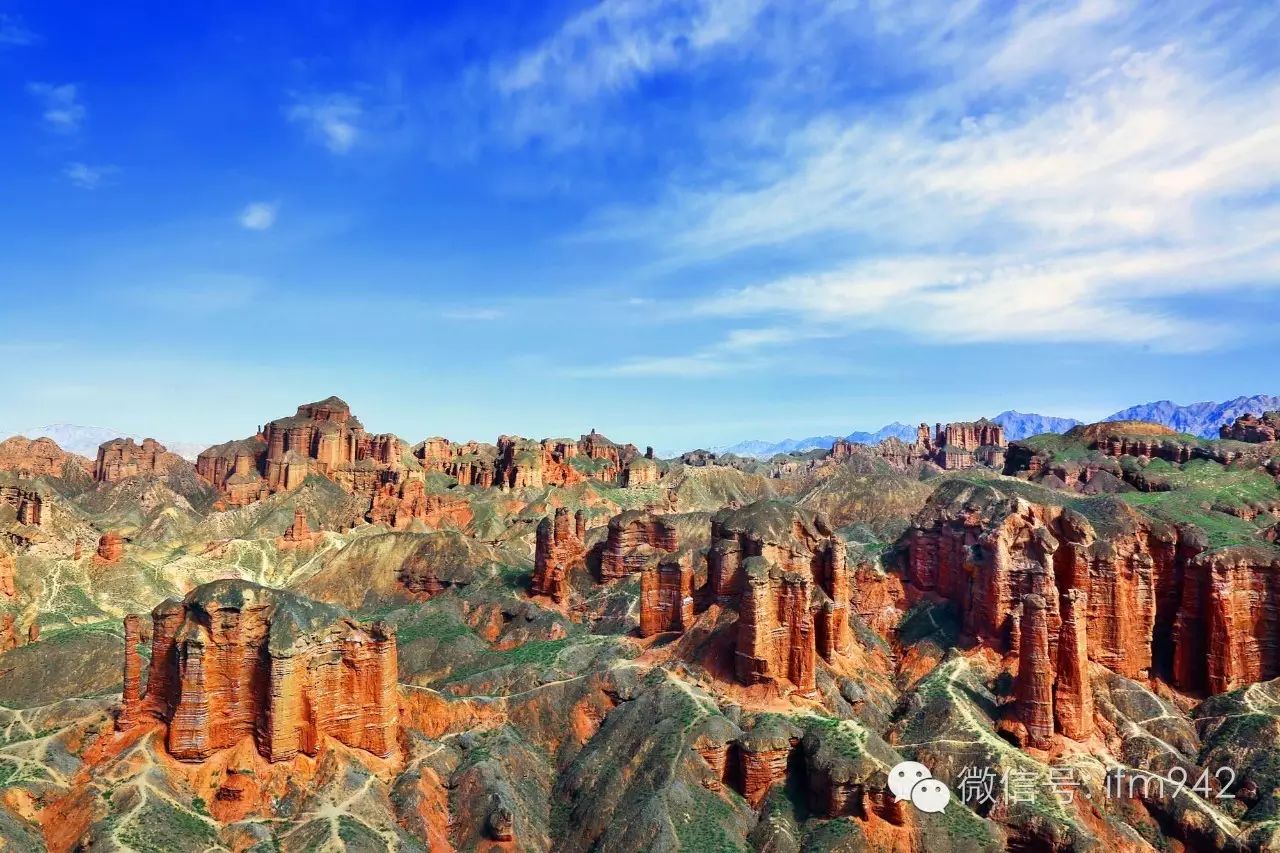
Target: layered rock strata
{"x":558,"y":546}
{"x":235,"y":660}
{"x":634,"y":538}
{"x":1156,"y":599}
{"x":121,"y":458}
{"x":1253,"y":428}
{"x":784,"y":570}
{"x":39,"y":457}
{"x":322,"y":438}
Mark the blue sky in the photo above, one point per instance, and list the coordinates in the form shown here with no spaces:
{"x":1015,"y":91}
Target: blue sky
{"x":681,"y":223}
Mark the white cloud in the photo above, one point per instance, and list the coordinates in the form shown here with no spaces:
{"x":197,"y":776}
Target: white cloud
{"x":473,"y":313}
{"x":605,"y":50}
{"x":88,"y":177}
{"x":332,"y":119}
{"x":14,"y":33}
{"x":63,"y":111}
{"x":1088,"y":164}
{"x":259,"y":215}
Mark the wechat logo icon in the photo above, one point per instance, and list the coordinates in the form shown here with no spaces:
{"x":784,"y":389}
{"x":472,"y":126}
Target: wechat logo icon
{"x":911,"y":780}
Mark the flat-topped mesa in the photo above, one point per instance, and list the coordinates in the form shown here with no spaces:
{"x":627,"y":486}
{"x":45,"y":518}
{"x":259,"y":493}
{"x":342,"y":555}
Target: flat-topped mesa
{"x":634,"y":538}
{"x":784,"y":569}
{"x":322,"y":438}
{"x":1253,"y":428}
{"x":1158,"y":602}
{"x":558,"y":546}
{"x":122,"y":458}
{"x":38,"y":457}
{"x":234,"y":660}
{"x":526,"y":463}
{"x":471,"y":464}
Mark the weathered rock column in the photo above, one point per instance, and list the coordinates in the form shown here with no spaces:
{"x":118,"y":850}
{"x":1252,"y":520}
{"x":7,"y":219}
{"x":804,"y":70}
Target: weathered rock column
{"x":1073,"y":695}
{"x":1034,"y":688}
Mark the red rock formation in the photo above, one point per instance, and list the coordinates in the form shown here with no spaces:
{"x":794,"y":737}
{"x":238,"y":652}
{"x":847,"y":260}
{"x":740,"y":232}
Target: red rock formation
{"x":131,"y":709}
{"x":1032,"y":722}
{"x":952,"y":446}
{"x":26,"y":502}
{"x":1252,"y":428}
{"x":666,"y":595}
{"x":1157,"y":602}
{"x":634,"y":538}
{"x":397,"y":506}
{"x":322,"y":438}
{"x":472,"y":464}
{"x":33,"y":632}
{"x":110,"y":548}
{"x":123,"y":457}
{"x":8,"y":633}
{"x":7,"y":566}
{"x":299,"y":531}
{"x":641,"y":471}
{"x":236,"y":660}
{"x":557,"y":548}
{"x":785,"y":570}
{"x":40,"y":457}
{"x":1072,"y":694}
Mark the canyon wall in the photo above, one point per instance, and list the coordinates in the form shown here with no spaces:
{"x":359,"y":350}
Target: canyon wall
{"x":123,"y":457}
{"x":235,"y":660}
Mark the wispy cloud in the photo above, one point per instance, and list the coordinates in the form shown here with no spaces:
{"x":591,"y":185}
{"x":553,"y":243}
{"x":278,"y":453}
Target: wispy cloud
{"x":333,"y":119}
{"x":14,"y":33}
{"x":88,"y":177}
{"x":606,"y":49}
{"x":259,"y":215}
{"x":745,"y":349}
{"x":1084,"y":166}
{"x":62,"y":110}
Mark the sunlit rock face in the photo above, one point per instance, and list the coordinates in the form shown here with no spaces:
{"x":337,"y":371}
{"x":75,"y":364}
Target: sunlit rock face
{"x":234,"y":660}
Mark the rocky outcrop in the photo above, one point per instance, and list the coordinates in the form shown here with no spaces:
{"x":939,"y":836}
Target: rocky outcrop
{"x":8,"y":632}
{"x":40,"y":457}
{"x":632,"y":543}
{"x":1072,"y":693}
{"x":322,"y":438}
{"x":472,"y":464}
{"x":1158,"y":601}
{"x":1032,"y":720}
{"x":235,"y":660}
{"x":1252,"y":428}
{"x":110,"y":549}
{"x":7,"y":567}
{"x":784,"y":569}
{"x":558,"y":546}
{"x":121,"y":458}
{"x":25,"y":500}
{"x":398,"y":506}
{"x":953,"y":446}
{"x":299,"y":531}
{"x":666,"y":594}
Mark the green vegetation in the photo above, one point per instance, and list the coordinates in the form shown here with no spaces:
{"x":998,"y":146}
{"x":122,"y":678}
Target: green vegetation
{"x":1199,"y":486}
{"x":702,"y":829}
{"x":159,"y":827}
{"x":440,"y":625}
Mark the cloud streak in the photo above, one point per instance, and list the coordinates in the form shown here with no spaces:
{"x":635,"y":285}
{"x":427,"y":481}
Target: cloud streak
{"x":61,"y":108}
{"x":259,"y":215}
{"x":1086,"y":166}
{"x":333,"y":120}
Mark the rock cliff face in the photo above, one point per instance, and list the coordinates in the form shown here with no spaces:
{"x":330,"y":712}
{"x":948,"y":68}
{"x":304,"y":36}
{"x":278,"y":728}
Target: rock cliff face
{"x":1253,"y":428}
{"x":40,"y":457}
{"x":666,"y":594}
{"x":634,"y":538}
{"x":397,"y":506}
{"x":235,"y":660}
{"x":785,"y":571}
{"x":321,"y":438}
{"x":1032,"y":719}
{"x":1157,"y":601}
{"x":558,"y":546}
{"x":123,"y":457}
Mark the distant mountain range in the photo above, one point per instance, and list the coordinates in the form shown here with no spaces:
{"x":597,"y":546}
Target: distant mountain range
{"x":84,"y":440}
{"x":1202,"y":419}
